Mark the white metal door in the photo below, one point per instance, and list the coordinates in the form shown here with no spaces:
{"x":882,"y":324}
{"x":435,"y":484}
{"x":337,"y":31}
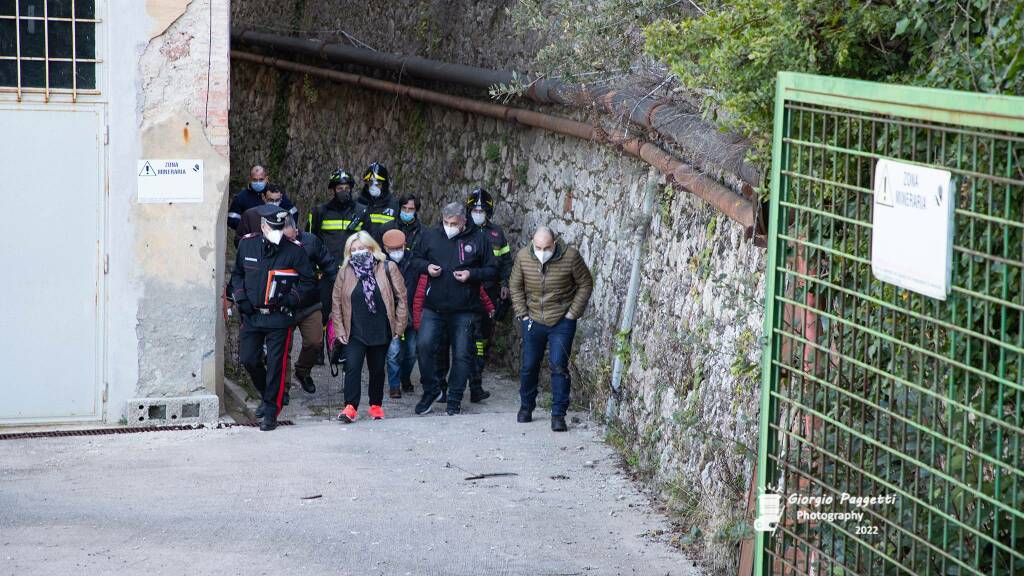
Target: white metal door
{"x":52,"y":220}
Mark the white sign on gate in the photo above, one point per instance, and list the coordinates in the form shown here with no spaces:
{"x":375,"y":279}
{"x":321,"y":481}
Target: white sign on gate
{"x":170,"y":181}
{"x":912,"y":227}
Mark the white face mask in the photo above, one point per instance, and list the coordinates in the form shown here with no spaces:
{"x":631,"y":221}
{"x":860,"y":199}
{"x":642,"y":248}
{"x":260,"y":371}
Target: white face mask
{"x":397,"y":255}
{"x":274,"y":202}
{"x":274,"y":236}
{"x":375,"y":191}
{"x":543,"y":255}
{"x":479,"y":219}
{"x":451,"y":231}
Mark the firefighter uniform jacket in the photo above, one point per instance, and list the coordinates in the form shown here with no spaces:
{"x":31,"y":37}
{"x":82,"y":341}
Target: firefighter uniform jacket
{"x":270,"y":277}
{"x":379,"y":211}
{"x":333,"y":222}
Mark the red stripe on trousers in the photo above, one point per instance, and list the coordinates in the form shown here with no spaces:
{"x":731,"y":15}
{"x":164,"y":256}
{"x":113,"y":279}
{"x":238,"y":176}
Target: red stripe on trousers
{"x":284,"y":366}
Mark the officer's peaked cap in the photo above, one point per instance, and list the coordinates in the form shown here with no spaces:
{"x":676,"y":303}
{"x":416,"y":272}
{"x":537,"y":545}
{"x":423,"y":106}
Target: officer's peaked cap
{"x":274,"y":215}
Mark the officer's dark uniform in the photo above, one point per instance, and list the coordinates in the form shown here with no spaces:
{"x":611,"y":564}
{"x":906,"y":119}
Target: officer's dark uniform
{"x":269,"y":282}
{"x":381,"y":210}
{"x":333,"y":222}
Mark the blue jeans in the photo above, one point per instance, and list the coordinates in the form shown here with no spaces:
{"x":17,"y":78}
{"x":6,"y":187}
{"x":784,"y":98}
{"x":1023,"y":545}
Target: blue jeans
{"x":401,"y":359}
{"x":458,"y":327}
{"x":536,"y":339}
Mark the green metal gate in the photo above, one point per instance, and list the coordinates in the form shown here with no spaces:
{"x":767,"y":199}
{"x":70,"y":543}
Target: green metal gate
{"x":872,"y":390}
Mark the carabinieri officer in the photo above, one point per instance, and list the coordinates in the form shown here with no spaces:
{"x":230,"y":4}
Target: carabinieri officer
{"x":272,"y":275}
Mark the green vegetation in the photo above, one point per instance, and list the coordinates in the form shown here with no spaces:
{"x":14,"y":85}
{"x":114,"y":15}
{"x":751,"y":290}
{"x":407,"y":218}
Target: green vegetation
{"x":726,"y":53}
{"x":732,"y":53}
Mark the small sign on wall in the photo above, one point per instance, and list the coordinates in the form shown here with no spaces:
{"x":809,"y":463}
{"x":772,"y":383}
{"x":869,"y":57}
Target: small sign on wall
{"x":170,"y":181}
{"x":912,"y":227}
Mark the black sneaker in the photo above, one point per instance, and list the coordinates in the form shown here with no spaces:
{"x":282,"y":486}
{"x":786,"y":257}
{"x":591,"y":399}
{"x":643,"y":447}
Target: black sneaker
{"x":558,"y":424}
{"x":426,"y":404}
{"x":268,"y":423}
{"x":407,"y":385}
{"x":478,"y":395}
{"x":443,"y":397}
{"x":307,"y":384}
{"x":453,"y":409}
{"x":524,"y":416}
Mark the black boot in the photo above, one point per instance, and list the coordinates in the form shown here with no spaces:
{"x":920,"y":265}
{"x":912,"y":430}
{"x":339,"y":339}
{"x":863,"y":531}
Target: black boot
{"x":259,"y":411}
{"x":307,"y":384}
{"x":268,"y":423}
{"x":478,"y":394}
{"x":407,"y":385}
{"x":524,"y":416}
{"x":558,"y":424}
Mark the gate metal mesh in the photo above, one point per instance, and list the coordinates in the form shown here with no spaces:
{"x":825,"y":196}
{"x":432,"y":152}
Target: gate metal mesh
{"x":870,"y":389}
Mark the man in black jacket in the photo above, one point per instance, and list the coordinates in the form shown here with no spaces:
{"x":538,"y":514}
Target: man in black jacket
{"x":456,"y":259}
{"x":315,"y":306}
{"x":271,"y":279}
{"x":408,"y":222}
{"x":334,"y":221}
{"x":259,"y":191}
{"x":381,"y":207}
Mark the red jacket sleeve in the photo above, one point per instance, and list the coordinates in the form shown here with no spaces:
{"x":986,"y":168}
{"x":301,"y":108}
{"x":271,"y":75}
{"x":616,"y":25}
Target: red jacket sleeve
{"x":486,"y":301}
{"x":417,"y":301}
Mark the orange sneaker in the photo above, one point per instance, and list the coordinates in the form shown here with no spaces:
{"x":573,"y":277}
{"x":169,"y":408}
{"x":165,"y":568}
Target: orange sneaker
{"x":376,"y":412}
{"x":348,"y":415}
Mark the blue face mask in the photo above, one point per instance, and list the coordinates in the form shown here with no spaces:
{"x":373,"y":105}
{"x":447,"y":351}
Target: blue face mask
{"x":407,"y":216}
{"x":258,"y":186}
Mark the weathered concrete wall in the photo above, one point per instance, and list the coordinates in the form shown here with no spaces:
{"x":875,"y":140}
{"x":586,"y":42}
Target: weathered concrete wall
{"x":168,"y":87}
{"x":689,"y":404}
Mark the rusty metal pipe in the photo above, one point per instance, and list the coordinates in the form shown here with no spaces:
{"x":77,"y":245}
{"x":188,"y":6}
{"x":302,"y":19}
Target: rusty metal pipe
{"x":674,"y":122}
{"x":680,"y":173}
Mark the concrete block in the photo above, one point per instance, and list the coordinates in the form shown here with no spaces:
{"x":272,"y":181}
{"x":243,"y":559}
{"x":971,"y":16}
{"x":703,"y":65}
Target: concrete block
{"x":201,"y":409}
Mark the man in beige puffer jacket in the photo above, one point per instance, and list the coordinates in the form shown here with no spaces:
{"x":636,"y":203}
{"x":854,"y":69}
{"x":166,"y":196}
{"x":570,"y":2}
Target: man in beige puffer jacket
{"x":550,"y":286}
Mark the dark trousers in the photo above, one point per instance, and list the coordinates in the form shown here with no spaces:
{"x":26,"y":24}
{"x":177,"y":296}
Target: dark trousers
{"x":457,"y":329}
{"x":271,"y":380}
{"x":536,"y":339}
{"x":375,"y":356}
{"x":482,"y":328}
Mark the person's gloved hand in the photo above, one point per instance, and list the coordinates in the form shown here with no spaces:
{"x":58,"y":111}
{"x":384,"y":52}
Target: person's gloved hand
{"x":337,"y":349}
{"x":245,"y":307}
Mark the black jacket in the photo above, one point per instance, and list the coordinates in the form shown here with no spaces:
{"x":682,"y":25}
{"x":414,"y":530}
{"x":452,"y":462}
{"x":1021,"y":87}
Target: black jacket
{"x":326,"y":269}
{"x":502,"y":251}
{"x":470,"y":250}
{"x":262,"y":268}
{"x":379,"y":211}
{"x":333,"y":222}
{"x":247,"y":199}
{"x":412,"y":232}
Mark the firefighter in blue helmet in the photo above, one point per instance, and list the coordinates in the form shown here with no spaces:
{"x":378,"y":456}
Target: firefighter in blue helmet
{"x":380,"y":206}
{"x":271,"y":279}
